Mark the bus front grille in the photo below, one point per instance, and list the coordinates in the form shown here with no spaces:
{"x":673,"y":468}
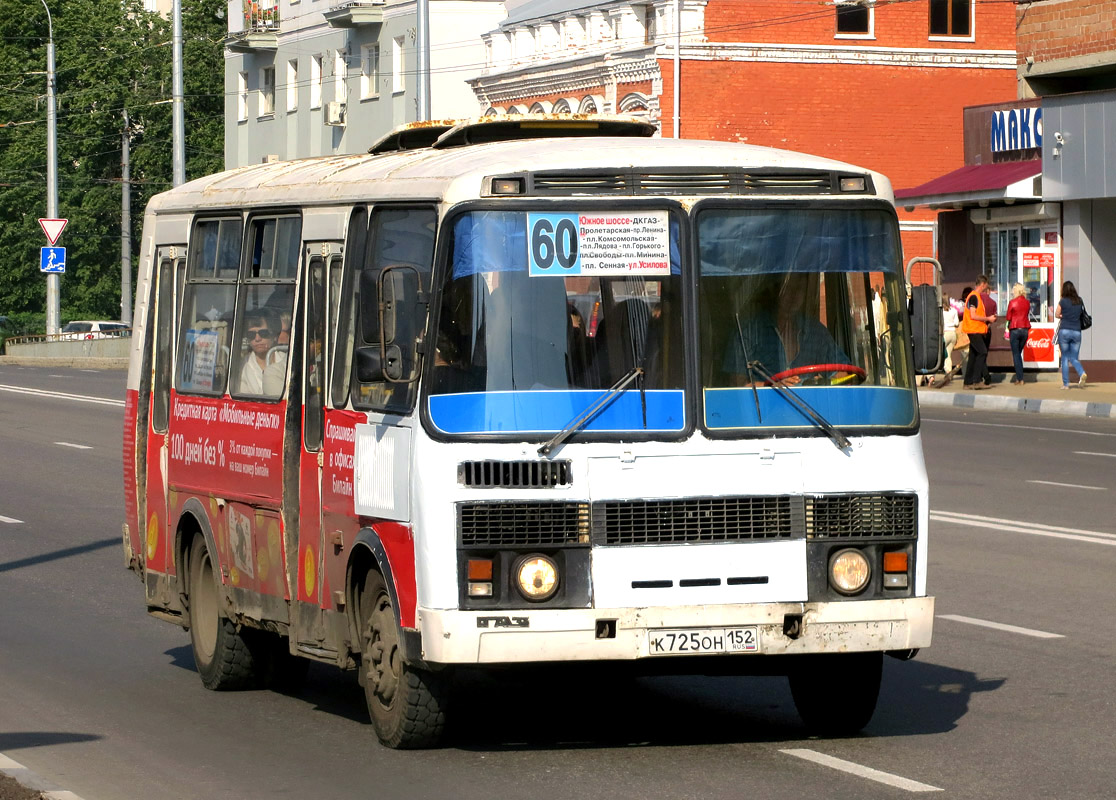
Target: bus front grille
{"x":858,"y":516}
{"x":707,"y":519}
{"x":529,"y":524}
{"x":513,"y":474}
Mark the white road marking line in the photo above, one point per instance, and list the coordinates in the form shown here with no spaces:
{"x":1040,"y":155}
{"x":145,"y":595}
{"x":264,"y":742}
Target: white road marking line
{"x":10,"y":520}
{"x":75,"y":446}
{"x":1071,"y":485}
{"x":61,"y":395}
{"x":1020,"y":427}
{"x":7,"y":763}
{"x":1087,"y":453}
{"x":861,"y":771}
{"x":977,"y":521}
{"x":1001,"y":626}
{"x":22,"y":774}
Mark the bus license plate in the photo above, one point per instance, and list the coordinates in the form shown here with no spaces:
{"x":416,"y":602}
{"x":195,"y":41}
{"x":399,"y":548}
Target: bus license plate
{"x":702,"y":640}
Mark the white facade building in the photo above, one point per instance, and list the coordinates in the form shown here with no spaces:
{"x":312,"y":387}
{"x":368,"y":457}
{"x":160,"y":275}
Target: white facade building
{"x":320,"y":77}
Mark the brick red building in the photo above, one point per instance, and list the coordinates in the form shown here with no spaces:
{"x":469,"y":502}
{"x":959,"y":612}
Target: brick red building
{"x":877,"y":84}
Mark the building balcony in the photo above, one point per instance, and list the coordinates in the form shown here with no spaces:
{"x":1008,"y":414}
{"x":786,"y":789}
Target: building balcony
{"x":260,"y":31}
{"x":355,"y":13}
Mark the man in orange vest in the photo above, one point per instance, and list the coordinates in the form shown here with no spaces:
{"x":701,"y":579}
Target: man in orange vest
{"x":975,"y":323}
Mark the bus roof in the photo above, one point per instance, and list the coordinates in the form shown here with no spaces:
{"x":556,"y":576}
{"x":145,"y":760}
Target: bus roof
{"x":595,"y":167}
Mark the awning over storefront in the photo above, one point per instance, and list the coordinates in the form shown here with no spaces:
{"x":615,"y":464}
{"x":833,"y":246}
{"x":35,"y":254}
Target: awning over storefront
{"x":979,"y":184}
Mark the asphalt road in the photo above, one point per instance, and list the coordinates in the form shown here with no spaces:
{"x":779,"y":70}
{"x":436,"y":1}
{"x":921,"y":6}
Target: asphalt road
{"x":1013,"y":700}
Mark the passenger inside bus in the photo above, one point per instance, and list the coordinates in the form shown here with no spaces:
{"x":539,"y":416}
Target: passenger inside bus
{"x":264,"y":367}
{"x":778,"y":327}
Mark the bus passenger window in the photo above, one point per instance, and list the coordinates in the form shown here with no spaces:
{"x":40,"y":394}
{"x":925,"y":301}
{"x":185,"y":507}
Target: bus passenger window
{"x":266,"y":307}
{"x":209,"y":297}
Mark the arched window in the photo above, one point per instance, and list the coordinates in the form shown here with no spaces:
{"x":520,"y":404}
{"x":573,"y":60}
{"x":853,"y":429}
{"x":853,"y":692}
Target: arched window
{"x":634,"y":104}
{"x":515,"y":110}
{"x":562,"y":106}
{"x":588,"y":105}
{"x":539,"y":108}
{"x":493,"y":111}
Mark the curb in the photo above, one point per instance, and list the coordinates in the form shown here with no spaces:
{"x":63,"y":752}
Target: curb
{"x":27,"y":778}
{"x":974,"y":400}
{"x":90,"y":362}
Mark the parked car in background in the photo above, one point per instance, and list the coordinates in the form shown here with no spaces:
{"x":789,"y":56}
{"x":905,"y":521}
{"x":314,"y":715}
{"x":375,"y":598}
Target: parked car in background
{"x":93,"y":329}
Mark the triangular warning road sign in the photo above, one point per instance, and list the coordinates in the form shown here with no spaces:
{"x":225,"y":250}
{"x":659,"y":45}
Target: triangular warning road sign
{"x":53,"y":228}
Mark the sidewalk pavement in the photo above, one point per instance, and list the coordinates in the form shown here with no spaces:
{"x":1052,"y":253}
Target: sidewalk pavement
{"x":1040,"y":392}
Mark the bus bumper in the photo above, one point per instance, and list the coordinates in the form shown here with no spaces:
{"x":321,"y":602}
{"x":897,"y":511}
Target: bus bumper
{"x":595,"y":634}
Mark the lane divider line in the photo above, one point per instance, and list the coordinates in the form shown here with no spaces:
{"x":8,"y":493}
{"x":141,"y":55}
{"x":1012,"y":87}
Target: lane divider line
{"x":861,"y":771}
{"x":975,"y":521}
{"x":1071,"y":485}
{"x":10,"y":520}
{"x":61,"y":395}
{"x":1000,"y":626}
{"x":75,"y":446}
{"x":1087,"y":453}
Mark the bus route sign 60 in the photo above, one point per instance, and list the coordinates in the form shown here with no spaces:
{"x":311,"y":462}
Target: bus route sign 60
{"x":599,"y":243}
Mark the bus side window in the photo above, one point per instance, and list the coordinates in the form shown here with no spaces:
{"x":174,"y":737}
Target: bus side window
{"x":397,"y":237}
{"x":344,"y":285}
{"x":209,"y":298}
{"x":266,"y":307}
{"x":315,"y":355}
{"x":161,"y":390}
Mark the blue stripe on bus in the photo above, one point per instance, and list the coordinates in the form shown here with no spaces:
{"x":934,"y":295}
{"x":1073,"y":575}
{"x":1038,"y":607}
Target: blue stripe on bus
{"x":550,"y":411}
{"x":840,"y":405}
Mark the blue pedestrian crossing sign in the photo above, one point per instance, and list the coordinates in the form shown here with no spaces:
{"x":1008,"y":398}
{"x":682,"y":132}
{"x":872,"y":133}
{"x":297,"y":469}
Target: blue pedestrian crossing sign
{"x":52,"y":259}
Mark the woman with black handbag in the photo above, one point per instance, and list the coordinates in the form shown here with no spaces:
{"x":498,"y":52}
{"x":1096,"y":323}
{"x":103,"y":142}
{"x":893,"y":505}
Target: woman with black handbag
{"x":1071,"y":314}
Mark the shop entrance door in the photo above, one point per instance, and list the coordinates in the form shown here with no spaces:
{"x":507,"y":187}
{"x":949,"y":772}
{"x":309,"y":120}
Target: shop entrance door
{"x":1040,"y":272}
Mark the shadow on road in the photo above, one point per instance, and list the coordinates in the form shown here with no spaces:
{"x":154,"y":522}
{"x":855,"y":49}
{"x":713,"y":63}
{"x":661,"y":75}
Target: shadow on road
{"x":23,"y":740}
{"x":583,"y":707}
{"x":65,"y":552}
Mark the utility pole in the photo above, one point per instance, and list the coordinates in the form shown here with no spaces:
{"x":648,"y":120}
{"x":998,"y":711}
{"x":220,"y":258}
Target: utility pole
{"x":53,"y":325}
{"x":178,"y":142}
{"x":126,"y":224}
{"x":423,"y":46}
{"x":678,"y":69}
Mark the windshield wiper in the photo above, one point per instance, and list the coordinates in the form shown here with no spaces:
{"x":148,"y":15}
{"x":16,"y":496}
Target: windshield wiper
{"x":574,"y":425}
{"x":807,"y":410}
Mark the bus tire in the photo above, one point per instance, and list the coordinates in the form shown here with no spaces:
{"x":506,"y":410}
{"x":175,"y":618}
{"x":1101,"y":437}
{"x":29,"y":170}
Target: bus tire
{"x":836,"y":694}
{"x":406,"y":704}
{"x":223,"y":658}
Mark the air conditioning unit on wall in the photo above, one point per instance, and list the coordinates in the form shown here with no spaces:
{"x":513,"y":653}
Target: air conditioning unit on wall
{"x":335,"y":113}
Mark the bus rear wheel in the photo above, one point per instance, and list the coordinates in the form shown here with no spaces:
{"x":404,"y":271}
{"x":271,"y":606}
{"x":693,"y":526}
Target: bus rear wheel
{"x":406,"y":704}
{"x":221,"y":653}
{"x":836,"y":694}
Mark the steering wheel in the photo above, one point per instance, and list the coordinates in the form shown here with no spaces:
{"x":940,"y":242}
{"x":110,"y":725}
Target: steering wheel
{"x":814,"y":369}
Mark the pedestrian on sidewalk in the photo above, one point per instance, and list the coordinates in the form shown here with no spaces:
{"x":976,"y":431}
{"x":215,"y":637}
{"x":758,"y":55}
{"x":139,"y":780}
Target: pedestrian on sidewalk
{"x":950,"y":321}
{"x":1068,"y":313}
{"x":975,"y":324}
{"x":990,"y":310}
{"x":1019,"y":326}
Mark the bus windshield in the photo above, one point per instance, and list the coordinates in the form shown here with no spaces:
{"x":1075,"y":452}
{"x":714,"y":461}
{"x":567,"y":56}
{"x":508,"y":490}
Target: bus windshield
{"x":809,"y":298}
{"x":531,"y":329}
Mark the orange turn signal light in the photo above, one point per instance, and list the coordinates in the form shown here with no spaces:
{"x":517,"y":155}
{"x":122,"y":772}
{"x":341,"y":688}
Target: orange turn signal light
{"x":895,"y":562}
{"x":480,"y":569}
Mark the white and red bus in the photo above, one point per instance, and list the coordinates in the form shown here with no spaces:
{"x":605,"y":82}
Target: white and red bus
{"x":530,"y":390}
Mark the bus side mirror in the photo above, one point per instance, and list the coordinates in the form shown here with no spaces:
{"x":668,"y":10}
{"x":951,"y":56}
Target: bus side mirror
{"x":392,"y":320}
{"x":373,"y":366}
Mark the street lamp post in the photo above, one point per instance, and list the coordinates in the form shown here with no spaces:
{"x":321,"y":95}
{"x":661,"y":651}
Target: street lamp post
{"x":52,"y":304}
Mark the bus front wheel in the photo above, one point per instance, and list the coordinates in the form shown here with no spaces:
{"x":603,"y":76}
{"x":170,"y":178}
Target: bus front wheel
{"x":221,"y":653}
{"x":406,"y":704}
{"x":836,"y":694}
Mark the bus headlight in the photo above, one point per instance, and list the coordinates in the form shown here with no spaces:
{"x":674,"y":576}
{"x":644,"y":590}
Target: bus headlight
{"x":849,"y":571}
{"x":537,"y":577}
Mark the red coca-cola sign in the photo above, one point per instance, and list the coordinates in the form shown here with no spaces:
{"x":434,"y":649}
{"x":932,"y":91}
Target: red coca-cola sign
{"x":1040,"y":345}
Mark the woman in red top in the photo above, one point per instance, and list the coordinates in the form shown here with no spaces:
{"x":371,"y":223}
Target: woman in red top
{"x":1019,"y":323}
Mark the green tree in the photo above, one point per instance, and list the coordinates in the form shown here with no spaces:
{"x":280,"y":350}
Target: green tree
{"x":111,"y":57}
